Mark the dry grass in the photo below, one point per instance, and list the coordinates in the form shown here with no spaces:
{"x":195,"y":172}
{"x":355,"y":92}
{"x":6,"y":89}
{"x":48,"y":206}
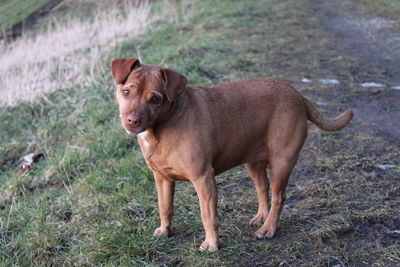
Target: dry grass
{"x":66,"y":53}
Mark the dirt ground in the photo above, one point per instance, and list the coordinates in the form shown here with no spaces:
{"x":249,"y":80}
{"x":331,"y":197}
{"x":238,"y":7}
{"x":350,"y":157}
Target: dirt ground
{"x":370,"y":40}
{"x":372,"y":139}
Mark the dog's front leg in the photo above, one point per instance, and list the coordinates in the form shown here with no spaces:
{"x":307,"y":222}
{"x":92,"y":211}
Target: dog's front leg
{"x":206,"y":189}
{"x":165,"y":191}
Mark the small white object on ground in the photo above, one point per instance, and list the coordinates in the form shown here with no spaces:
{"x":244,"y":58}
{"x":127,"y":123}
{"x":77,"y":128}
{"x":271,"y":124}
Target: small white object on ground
{"x":386,"y":166}
{"x":394,"y":232}
{"x":319,"y":103}
{"x":329,"y":81}
{"x":305,"y":80}
{"x":396,"y":87}
{"x":372,"y":84}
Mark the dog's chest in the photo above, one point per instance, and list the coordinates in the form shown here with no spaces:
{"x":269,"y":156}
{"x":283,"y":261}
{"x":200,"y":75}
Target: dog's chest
{"x":156,"y":158}
{"x":147,"y":145}
{"x":144,"y":141}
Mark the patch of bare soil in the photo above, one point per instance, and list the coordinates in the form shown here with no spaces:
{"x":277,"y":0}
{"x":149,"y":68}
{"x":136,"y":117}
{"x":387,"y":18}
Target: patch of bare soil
{"x":377,"y":112}
{"x":342,"y":201}
{"x":371,"y":40}
{"x":377,"y":47}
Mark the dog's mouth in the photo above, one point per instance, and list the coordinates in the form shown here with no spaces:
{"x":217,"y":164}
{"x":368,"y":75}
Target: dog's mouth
{"x":127,"y":131}
{"x":133,"y":131}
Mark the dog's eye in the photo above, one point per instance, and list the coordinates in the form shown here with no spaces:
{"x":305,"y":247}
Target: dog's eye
{"x":155,"y":100}
{"x":125,"y":92}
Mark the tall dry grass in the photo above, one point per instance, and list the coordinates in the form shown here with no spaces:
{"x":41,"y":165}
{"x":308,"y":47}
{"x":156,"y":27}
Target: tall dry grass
{"x":67,"y":53}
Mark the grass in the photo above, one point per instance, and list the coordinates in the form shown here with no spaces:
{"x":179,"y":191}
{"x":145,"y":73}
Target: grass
{"x":13,"y":12}
{"x":93,"y":200}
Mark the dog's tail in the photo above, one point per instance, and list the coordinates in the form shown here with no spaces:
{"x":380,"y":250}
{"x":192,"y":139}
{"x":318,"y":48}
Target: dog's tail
{"x":327,"y":124}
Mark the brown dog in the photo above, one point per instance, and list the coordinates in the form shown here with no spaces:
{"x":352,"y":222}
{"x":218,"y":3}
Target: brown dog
{"x":193,"y":134}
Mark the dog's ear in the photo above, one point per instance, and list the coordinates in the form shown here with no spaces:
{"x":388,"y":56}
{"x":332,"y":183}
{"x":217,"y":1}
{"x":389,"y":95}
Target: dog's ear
{"x":122,"y":67}
{"x":175,"y":83}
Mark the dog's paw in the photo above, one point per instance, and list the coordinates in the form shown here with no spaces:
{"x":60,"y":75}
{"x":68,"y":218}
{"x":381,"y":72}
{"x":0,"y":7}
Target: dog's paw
{"x":162,"y":231}
{"x":258,"y":219}
{"x":261,"y":233}
{"x":206,"y":246}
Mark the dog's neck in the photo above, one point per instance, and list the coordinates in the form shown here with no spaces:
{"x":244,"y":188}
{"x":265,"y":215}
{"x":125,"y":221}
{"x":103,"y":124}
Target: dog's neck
{"x":175,"y":111}
{"x":166,"y":116}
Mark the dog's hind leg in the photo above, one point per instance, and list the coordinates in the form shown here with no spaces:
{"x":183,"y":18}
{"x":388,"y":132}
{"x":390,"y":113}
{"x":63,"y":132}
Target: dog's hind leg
{"x":284,"y":141}
{"x":258,"y":174}
{"x":280,"y":172}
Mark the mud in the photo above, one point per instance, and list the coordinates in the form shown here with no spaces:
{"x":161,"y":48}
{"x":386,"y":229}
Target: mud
{"x":369,"y":39}
{"x":367,"y":191}
{"x":376,"y":46}
{"x":376,"y":112}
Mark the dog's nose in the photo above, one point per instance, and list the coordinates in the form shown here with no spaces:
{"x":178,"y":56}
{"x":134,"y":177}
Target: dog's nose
{"x":133,"y":120}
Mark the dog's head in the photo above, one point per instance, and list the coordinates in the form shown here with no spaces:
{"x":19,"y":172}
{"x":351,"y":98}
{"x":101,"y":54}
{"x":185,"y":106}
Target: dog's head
{"x":144,"y":93}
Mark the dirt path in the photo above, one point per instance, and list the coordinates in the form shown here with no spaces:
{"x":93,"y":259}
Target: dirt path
{"x":369,"y":39}
{"x":373,"y":42}
{"x":365,"y":190}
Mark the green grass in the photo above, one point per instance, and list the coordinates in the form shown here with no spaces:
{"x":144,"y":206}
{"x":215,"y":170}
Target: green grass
{"x":15,"y":11}
{"x":93,"y":200}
